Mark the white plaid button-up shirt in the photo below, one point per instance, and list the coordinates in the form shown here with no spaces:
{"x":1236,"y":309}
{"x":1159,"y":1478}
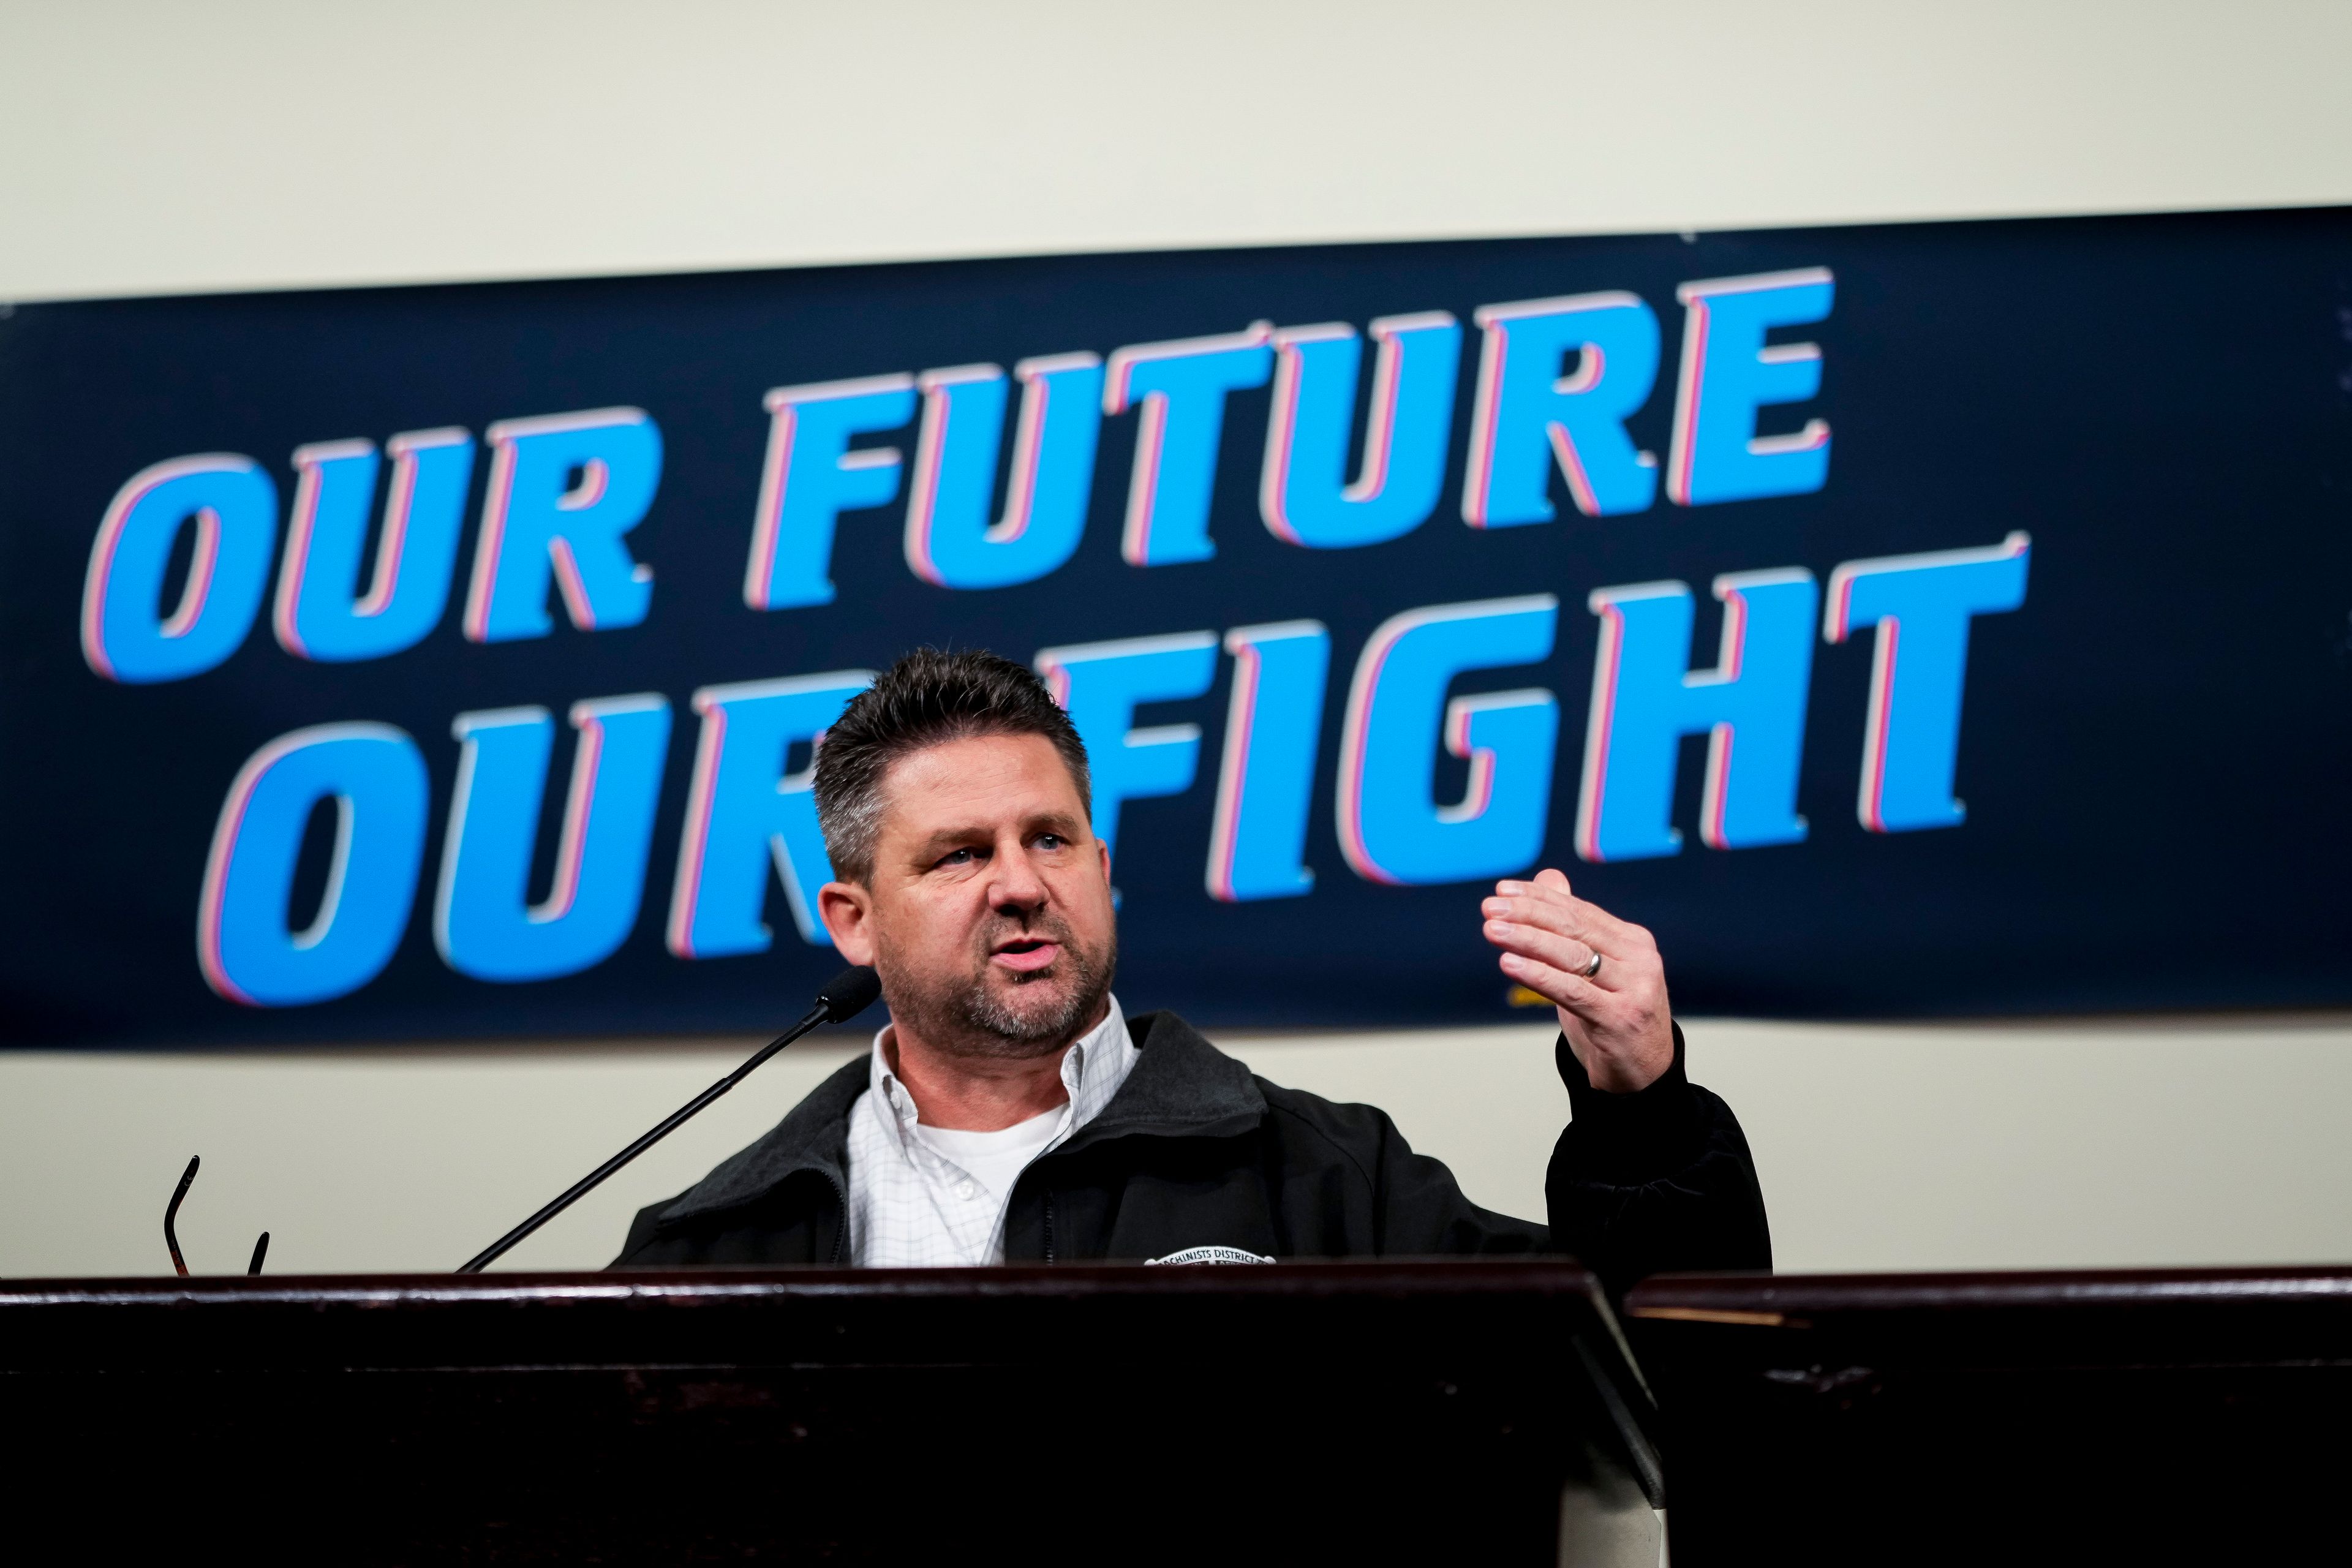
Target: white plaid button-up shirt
{"x":912,"y":1207}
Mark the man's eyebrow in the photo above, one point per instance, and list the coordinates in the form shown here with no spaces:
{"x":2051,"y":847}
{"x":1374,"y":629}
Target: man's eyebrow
{"x":942,"y":839}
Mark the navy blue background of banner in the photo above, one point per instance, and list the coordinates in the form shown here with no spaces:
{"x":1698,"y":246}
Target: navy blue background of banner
{"x":2156,"y":751}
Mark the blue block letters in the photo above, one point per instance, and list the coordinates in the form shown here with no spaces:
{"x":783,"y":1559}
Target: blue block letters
{"x":1305,"y":496}
{"x":1751,"y":705}
{"x":950,"y":539}
{"x":1728,"y":372}
{"x":1258,"y":837}
{"x":811,"y":477}
{"x":480,"y":921}
{"x":745,"y":815}
{"x":1911,"y":731}
{"x":1391,"y":828}
{"x":1183,"y":386}
{"x":562,"y":491}
{"x":1525,"y":413}
{"x":233,"y":506}
{"x":1100,"y":686}
{"x":321,"y":612}
{"x":245,"y":945}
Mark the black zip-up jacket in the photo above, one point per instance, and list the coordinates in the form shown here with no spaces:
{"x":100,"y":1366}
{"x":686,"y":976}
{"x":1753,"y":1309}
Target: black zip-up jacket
{"x":1194,"y":1150}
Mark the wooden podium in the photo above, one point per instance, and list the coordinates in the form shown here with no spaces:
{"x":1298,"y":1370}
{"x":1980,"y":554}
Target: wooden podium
{"x":1470,"y":1412}
{"x":2173,"y":1417}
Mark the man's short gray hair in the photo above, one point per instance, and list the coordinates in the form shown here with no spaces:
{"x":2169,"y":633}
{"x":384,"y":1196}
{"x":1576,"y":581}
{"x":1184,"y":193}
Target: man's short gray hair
{"x":924,"y":700}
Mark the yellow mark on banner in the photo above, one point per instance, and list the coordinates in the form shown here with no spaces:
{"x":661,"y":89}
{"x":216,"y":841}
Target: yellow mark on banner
{"x":1520,"y":997}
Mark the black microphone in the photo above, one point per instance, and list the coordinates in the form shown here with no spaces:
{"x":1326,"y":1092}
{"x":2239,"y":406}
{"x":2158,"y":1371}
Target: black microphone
{"x":844,"y":996}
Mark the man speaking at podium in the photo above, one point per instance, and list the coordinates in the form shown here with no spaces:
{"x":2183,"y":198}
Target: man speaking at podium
{"x":1011,"y":1111}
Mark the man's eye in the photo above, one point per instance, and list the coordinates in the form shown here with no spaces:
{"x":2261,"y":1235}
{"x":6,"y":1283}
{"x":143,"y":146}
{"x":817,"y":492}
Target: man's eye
{"x":956,"y":857}
{"x":1050,"y":841}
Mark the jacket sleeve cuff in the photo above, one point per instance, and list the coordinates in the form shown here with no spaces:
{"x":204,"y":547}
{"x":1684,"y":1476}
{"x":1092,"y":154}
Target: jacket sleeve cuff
{"x":1638,"y":1137}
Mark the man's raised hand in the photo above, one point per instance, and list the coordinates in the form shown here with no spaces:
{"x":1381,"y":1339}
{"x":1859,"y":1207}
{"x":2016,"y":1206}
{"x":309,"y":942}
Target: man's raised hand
{"x":1615,"y":1017}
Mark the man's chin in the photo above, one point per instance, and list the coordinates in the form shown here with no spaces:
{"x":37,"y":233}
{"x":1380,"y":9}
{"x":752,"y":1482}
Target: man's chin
{"x":1035,"y":1006}
{"x":1040,"y":992}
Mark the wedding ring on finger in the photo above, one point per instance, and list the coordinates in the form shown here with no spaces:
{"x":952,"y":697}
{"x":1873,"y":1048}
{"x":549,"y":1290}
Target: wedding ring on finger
{"x":1591,"y":967}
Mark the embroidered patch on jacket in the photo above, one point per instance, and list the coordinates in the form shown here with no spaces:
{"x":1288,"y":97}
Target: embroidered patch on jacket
{"x":1208,"y":1255}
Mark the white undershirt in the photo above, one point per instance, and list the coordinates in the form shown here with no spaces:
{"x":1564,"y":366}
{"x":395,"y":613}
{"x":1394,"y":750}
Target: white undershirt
{"x":927,"y":1197}
{"x":994,"y":1159}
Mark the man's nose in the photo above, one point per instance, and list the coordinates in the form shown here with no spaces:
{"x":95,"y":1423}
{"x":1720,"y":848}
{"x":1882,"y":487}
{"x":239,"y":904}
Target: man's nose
{"x":1016,"y":885}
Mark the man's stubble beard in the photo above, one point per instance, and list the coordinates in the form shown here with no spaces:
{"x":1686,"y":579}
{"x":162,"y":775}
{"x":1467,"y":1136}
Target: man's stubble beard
{"x":966,"y":1016}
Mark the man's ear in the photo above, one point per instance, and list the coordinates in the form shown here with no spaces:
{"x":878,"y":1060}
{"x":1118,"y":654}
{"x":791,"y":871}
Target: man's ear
{"x":847,"y":912}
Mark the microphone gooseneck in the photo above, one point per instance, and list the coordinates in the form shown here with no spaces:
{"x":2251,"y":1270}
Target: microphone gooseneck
{"x":844,"y":996}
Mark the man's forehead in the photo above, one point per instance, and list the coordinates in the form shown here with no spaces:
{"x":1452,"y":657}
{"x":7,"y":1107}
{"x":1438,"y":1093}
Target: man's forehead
{"x":974,"y":780}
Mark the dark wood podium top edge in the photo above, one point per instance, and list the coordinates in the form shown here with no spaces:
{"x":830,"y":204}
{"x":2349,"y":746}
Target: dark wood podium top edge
{"x":1767,"y":1300}
{"x":1426,"y":1278}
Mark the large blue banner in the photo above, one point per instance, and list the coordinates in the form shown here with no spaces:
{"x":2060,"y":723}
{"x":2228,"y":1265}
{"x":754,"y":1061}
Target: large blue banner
{"x":1933,"y":619}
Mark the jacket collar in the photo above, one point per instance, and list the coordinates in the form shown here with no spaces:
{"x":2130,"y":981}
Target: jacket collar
{"x":1182,"y":1087}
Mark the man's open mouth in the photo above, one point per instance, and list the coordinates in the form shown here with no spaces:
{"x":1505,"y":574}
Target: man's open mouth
{"x":1026,"y":955}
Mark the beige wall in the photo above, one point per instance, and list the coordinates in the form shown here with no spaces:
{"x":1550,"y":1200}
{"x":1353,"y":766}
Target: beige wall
{"x":1880,"y":1148}
{"x":162,"y":147}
